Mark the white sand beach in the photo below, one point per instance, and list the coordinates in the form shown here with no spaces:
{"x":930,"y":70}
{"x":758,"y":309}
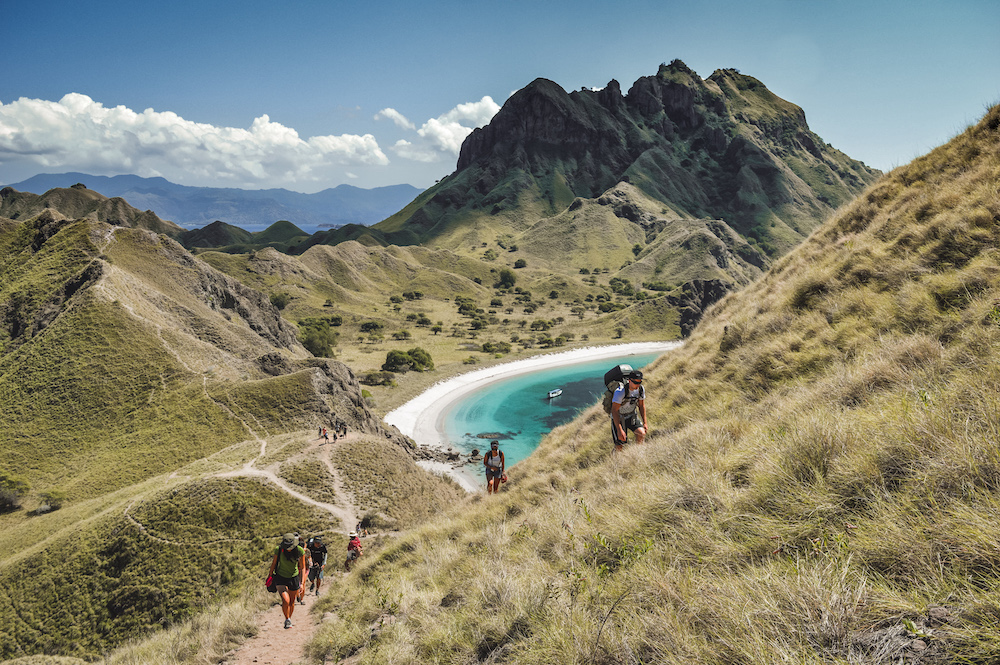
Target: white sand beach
{"x":421,"y":418}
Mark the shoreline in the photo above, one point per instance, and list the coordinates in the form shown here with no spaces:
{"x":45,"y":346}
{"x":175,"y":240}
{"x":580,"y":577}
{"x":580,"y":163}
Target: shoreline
{"x":421,"y":418}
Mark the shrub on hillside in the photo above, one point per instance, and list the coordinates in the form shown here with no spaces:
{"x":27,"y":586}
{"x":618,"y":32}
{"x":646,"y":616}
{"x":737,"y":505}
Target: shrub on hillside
{"x":403,"y":361}
{"x":280,"y":300}
{"x":378,"y":379}
{"x":12,"y":490}
{"x":317,"y":336}
{"x":507,"y":279}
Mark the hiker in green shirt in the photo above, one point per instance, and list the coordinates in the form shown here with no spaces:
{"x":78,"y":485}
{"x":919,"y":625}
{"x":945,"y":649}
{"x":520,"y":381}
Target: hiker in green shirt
{"x":289,"y":570}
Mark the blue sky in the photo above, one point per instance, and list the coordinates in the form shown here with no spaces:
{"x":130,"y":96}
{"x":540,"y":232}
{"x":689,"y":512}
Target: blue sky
{"x":307,"y":95}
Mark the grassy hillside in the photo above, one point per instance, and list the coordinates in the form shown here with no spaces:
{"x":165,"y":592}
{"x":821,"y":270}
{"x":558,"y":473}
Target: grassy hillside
{"x":152,"y":409}
{"x":413,"y":293}
{"x":820,"y":484}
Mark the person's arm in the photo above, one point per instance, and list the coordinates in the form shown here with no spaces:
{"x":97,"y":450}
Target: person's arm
{"x":503,"y":465}
{"x":642,"y":412}
{"x":302,"y":568}
{"x":274,"y":565}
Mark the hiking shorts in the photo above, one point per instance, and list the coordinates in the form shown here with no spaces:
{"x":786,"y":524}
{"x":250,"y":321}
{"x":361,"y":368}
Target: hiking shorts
{"x":630,"y":422}
{"x":352,"y":555}
{"x":492,"y":473}
{"x":290,"y":583}
{"x":315,"y":573}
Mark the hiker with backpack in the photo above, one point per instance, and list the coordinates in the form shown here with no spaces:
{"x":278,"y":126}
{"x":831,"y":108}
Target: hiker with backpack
{"x":354,"y":550}
{"x":317,"y":554}
{"x":626,"y":403}
{"x":288,"y":574}
{"x":494,"y":462}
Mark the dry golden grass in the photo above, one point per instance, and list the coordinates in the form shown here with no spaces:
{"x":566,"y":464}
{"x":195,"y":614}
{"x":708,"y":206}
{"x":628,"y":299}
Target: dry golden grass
{"x":820,"y":484}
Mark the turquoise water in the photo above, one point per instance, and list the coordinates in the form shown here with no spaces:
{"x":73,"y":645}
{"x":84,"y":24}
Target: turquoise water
{"x":519,"y":410}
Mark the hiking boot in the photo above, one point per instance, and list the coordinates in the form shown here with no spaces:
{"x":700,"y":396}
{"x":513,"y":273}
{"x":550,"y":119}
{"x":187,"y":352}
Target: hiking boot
{"x":288,"y":623}
{"x":317,"y":592}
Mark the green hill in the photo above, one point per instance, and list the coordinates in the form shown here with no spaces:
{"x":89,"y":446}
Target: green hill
{"x":724,"y":148}
{"x":157,"y":416}
{"x":820,"y":484}
{"x":79,"y":202}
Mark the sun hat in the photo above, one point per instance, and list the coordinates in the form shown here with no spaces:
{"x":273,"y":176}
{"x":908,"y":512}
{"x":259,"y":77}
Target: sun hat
{"x":353,"y":534}
{"x":289,"y":541}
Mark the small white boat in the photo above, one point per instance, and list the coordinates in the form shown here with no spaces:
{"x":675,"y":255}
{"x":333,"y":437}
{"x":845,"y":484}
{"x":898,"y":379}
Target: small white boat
{"x":555,"y":393}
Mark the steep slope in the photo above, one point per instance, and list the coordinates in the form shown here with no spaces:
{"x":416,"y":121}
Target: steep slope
{"x":723,"y":147}
{"x":820,"y":484}
{"x":79,"y":202}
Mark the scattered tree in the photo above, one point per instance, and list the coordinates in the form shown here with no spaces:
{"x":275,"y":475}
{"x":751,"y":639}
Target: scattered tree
{"x":317,"y":336}
{"x":506,"y":280}
{"x":12,"y":490}
{"x":281,"y":300}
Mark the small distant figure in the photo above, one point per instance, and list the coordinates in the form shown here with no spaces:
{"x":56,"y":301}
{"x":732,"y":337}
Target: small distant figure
{"x":320,"y":434}
{"x":326,"y":437}
{"x":342,"y":427}
{"x":493,"y":460}
{"x":628,"y":410}
{"x":354,"y":550}
{"x":288,"y":569}
{"x":317,"y":553}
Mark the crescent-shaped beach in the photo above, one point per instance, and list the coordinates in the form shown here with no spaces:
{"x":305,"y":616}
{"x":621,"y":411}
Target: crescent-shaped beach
{"x":421,"y":418}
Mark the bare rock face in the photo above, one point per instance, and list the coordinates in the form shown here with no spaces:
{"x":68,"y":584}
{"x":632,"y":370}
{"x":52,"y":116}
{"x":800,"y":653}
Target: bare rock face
{"x":697,"y":296}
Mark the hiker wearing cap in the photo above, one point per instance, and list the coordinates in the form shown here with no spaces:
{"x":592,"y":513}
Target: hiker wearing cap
{"x":317,"y":556}
{"x":289,"y":570}
{"x":353,"y":550}
{"x":628,"y":410}
{"x":494,"y":463}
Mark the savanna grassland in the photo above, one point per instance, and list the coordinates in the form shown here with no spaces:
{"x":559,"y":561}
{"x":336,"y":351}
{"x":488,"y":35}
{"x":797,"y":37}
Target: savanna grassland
{"x":820,"y":483}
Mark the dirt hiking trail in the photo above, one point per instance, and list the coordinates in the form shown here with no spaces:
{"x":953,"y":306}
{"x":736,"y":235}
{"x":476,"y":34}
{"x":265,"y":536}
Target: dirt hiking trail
{"x":275,"y":645}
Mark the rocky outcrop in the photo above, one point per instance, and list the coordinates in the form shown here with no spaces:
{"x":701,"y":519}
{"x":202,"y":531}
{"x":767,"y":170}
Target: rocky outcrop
{"x":723,"y":147}
{"x":696,"y":297}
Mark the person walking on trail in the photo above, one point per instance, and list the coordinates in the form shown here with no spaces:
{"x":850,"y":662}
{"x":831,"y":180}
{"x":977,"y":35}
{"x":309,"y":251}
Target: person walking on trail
{"x":289,"y":570}
{"x":302,"y":587}
{"x":628,"y":410}
{"x":354,"y":550}
{"x":494,"y":462}
{"x":326,"y":437}
{"x":317,"y":556}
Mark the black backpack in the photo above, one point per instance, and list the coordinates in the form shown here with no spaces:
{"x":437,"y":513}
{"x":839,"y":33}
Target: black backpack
{"x":614,"y":379}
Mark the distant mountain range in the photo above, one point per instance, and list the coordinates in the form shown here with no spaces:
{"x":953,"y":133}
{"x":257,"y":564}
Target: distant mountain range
{"x":195,"y":207}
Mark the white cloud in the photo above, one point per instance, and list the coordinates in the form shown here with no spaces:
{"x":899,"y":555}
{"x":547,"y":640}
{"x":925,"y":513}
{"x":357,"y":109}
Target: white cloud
{"x":396,"y":117}
{"x":77,"y":133}
{"x":442,"y":137}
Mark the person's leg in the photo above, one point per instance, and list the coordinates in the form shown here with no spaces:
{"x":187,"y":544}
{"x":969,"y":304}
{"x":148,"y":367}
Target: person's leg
{"x":287,"y":600}
{"x":291,"y":607}
{"x":319,"y":581}
{"x":614,"y":437}
{"x":640,"y":434}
